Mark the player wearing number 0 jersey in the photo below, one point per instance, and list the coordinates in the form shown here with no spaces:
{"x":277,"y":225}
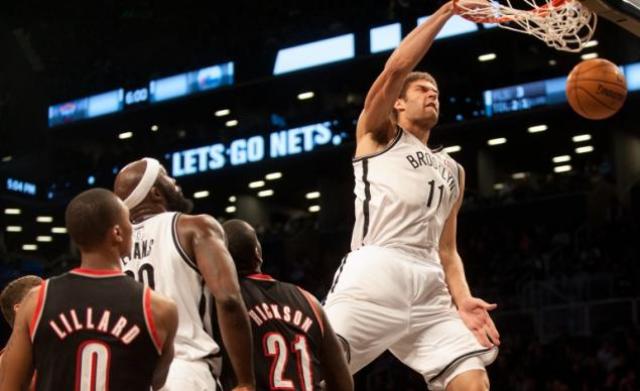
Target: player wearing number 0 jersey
{"x":294,"y":345}
{"x":92,"y":328}
{"x":185,"y":258}
{"x":403,"y":286}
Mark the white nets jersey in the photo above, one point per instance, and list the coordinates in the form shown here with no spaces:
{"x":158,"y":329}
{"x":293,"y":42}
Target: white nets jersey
{"x":159,"y":261}
{"x":404,"y":195}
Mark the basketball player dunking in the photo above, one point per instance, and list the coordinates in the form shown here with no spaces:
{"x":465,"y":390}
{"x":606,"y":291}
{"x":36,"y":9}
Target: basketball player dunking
{"x":294,"y":345}
{"x":92,"y":328}
{"x":398,"y":287}
{"x":180,"y":256}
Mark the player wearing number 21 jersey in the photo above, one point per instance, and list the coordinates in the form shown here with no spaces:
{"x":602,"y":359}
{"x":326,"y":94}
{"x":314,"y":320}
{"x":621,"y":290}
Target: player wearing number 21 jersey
{"x":92,"y":328}
{"x":294,"y":345}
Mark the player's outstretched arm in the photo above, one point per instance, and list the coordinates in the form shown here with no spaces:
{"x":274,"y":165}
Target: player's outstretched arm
{"x":206,"y":242}
{"x":165,"y":317}
{"x":386,"y":88}
{"x":473,"y":311}
{"x":332,"y":356}
{"x":17,"y":361}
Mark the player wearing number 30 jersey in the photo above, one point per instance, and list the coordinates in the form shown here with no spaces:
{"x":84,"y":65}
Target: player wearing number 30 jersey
{"x":92,"y":328}
{"x":294,"y":345}
{"x":184,"y":257}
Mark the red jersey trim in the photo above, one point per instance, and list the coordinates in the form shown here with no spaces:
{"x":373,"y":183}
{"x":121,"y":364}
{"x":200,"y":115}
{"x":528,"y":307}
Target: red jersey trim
{"x":37,"y":314}
{"x":148,"y":318}
{"x":96,"y":273}
{"x":316,"y":311}
{"x":261,"y":277}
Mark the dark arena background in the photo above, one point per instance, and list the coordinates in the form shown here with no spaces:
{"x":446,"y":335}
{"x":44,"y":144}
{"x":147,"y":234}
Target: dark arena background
{"x":252,"y":107}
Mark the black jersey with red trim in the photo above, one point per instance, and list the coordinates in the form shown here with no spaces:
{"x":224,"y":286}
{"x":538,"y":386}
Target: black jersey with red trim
{"x":93,"y":330}
{"x":287,"y":334}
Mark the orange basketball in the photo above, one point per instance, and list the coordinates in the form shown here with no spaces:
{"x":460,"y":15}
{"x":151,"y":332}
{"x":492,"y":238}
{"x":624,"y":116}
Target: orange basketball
{"x":596,"y":89}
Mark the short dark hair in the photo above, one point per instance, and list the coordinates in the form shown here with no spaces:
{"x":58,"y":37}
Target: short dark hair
{"x":13,"y":294}
{"x":242,"y":242}
{"x":90,"y":215}
{"x":411,"y":77}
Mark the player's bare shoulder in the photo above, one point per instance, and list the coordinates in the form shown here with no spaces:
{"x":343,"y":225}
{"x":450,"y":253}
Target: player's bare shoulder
{"x":200,"y":224}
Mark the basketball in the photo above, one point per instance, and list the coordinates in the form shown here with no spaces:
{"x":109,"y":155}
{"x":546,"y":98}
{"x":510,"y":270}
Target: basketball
{"x":596,"y":89}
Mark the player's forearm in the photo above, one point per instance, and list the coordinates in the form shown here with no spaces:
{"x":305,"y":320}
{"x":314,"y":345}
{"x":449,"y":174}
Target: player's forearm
{"x":236,"y":335}
{"x":415,"y":45}
{"x":455,"y":276}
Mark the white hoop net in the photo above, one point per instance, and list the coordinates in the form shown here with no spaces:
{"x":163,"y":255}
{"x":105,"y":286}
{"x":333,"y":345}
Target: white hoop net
{"x":565,"y":25}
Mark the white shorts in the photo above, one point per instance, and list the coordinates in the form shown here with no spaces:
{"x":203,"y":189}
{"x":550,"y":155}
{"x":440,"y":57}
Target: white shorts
{"x":384,"y":299}
{"x":190,"y":375}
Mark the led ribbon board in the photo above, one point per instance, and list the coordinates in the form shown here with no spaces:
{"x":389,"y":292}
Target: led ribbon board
{"x":253,"y":149}
{"x":159,"y":90}
{"x":20,"y":186}
{"x":544,"y":92}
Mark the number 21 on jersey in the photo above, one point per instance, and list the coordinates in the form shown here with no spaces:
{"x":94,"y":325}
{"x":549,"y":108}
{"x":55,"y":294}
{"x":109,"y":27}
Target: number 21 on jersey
{"x":275,"y":346}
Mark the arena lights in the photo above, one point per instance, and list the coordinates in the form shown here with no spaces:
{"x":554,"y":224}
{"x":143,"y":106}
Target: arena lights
{"x":560,"y":169}
{"x":589,"y":56}
{"x":273,"y":176}
{"x":537,"y":128}
{"x":12,"y":211}
{"x":498,"y":186}
{"x":591,"y":43}
{"x":231,"y":123}
{"x":455,"y":26}
{"x":585,"y":149}
{"x":7,"y":158}
{"x":14,"y":228}
{"x":487,"y":57}
{"x":154,"y":128}
{"x":581,"y":137}
{"x":385,"y":38}
{"x":256,"y":184}
{"x":316,"y":53}
{"x":306,"y":95}
{"x":230,"y":209}
{"x":497,"y":141}
{"x":222,"y":112}
{"x":452,"y":149}
{"x":59,"y":230}
{"x":519,"y":175}
{"x":201,"y":194}
{"x":29,"y":247}
{"x":552,"y":62}
{"x":232,"y":199}
{"x":314,"y":208}
{"x":561,"y":159}
{"x":265,"y":193}
{"x":312,"y":195}
{"x":44,"y":239}
{"x":125,"y":135}
{"x":44,"y":219}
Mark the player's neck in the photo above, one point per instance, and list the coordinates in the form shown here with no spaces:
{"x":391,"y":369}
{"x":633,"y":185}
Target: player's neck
{"x":100,"y":260}
{"x":146,"y":210}
{"x":415,"y":129}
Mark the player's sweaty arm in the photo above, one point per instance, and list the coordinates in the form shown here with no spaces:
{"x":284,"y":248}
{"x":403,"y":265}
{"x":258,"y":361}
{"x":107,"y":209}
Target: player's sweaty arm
{"x":17,"y":363}
{"x":165,"y":316}
{"x":472,"y":310}
{"x":206,"y":242}
{"x":449,"y":256}
{"x":378,"y":104}
{"x":332,"y":356}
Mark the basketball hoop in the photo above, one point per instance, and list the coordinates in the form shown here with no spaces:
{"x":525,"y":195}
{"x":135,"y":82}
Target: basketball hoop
{"x":566,"y":25}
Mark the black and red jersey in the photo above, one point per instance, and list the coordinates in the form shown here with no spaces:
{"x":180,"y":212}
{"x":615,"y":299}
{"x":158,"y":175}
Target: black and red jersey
{"x":287,"y":334}
{"x":93,"y":330}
